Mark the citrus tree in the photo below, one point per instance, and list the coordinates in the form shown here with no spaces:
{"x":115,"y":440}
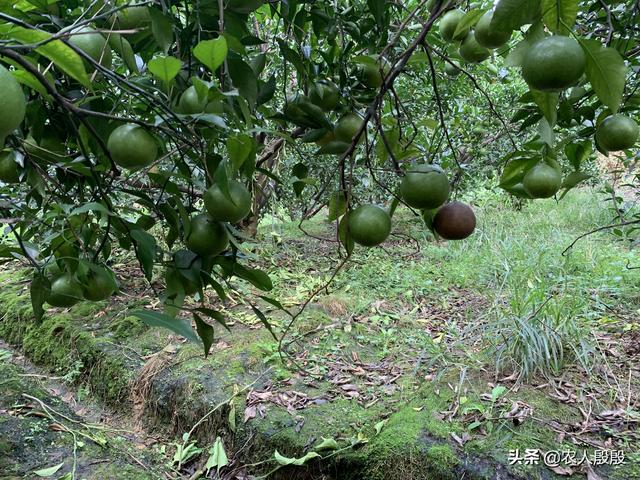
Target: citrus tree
{"x":159,"y":127}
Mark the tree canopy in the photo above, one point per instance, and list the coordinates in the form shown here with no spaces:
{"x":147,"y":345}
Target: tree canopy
{"x":167,"y":128}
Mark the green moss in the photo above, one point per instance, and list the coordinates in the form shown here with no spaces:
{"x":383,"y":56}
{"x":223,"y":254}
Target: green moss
{"x":442,"y":460}
{"x":117,"y":470}
{"x":127,"y":327}
{"x":60,"y":343}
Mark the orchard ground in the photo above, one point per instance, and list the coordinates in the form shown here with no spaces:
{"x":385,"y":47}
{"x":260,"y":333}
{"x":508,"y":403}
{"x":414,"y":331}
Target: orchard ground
{"x":411,"y":356}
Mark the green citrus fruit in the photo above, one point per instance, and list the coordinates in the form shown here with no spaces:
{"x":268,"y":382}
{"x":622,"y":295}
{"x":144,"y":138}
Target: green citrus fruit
{"x":370,"y":75}
{"x":542,"y":181}
{"x":12,"y":103}
{"x":347,"y":127}
{"x":449,"y":23}
{"x":553,"y":63}
{"x":617,"y":132}
{"x":329,"y":136}
{"x":425,"y":186}
{"x":369,"y":225}
{"x":133,"y":17}
{"x":132,"y":147}
{"x":452,"y":70}
{"x":190,"y":103}
{"x":99,"y":284}
{"x":215,"y":107}
{"x":65,"y":291}
{"x":471,"y":51}
{"x":454,"y":221}
{"x":9,"y":167}
{"x":93,"y":44}
{"x":325,"y":94}
{"x":207,"y":237}
{"x":488,"y":36}
{"x":222,"y":209}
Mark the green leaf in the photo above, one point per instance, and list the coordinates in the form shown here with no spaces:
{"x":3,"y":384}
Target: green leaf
{"x":300,"y":170}
{"x":165,"y":68}
{"x":217,"y":457}
{"x":337,"y":206}
{"x":512,"y":14}
{"x":326,"y":444}
{"x":255,"y":276}
{"x":515,"y":171}
{"x":205,"y":332}
{"x":244,"y":6}
{"x":497,"y":392}
{"x":265,"y":321}
{"x":380,"y":425}
{"x":47,"y":472}
{"x":574,"y":178}
{"x":176,"y":325}
{"x":578,"y":153}
{"x":560,"y":15}
{"x":273,"y":302}
{"x":379,"y":11}
{"x":344,"y":236}
{"x":216,"y":315}
{"x":239,"y":148}
{"x":548,"y":104}
{"x":469,"y":20}
{"x":30,"y":81}
{"x":606,"y":72}
{"x":545,"y":130}
{"x":90,"y":207}
{"x":244,"y":79}
{"x":295,"y":461}
{"x":162,"y":29}
{"x":62,"y":56}
{"x":211,"y":53}
{"x":40,"y":288}
{"x":145,"y":250}
{"x":122,"y":46}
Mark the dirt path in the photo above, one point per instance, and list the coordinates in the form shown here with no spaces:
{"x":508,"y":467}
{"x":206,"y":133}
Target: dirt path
{"x":46,"y":431}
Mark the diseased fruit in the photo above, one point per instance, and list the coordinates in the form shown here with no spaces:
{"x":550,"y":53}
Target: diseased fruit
{"x":347,"y":127}
{"x":369,"y":225}
{"x":65,"y":291}
{"x":617,"y":132}
{"x":207,"y":237}
{"x":132,"y":147}
{"x":542,"y":181}
{"x":93,"y":44}
{"x":12,"y":104}
{"x":452,"y":70}
{"x":223,"y":209}
{"x":99,"y":284}
{"x":190,"y":103}
{"x":325,"y":94}
{"x":553,"y":63}
{"x":471,"y":51}
{"x":449,"y":23}
{"x":425,"y":186}
{"x":454,"y":221}
{"x":488,"y":36}
{"x":9,"y":167}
